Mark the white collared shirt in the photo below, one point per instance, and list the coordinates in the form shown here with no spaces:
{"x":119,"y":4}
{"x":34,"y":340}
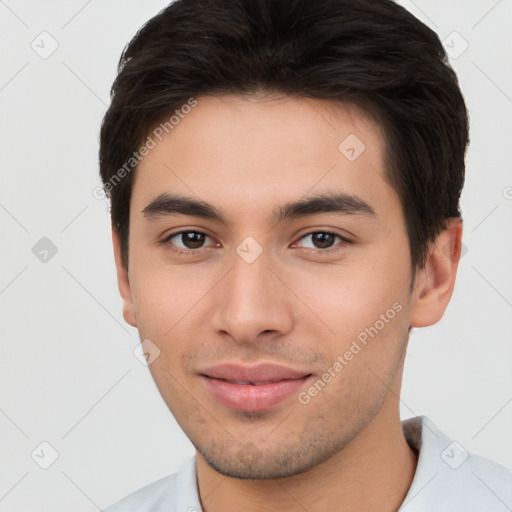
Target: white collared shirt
{"x":447,"y":479}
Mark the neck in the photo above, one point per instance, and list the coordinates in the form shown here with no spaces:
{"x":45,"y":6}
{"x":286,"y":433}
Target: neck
{"x":373,"y":472}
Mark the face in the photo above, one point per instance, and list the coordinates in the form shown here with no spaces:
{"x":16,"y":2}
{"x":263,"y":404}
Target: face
{"x":280,"y":304}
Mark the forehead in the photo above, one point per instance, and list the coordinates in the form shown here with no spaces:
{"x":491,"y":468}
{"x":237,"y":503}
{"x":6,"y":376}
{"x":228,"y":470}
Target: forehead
{"x":250,"y":152}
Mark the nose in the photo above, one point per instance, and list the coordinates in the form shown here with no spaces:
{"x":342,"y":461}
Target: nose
{"x":252,"y":301}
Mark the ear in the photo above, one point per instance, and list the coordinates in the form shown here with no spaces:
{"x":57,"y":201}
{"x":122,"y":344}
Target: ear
{"x":435,"y":282}
{"x":123,"y":281}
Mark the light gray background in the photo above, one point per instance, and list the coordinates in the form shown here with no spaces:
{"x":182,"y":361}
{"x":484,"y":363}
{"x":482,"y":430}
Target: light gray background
{"x":68,"y":373}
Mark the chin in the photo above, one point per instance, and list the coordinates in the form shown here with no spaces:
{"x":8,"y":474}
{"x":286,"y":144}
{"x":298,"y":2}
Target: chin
{"x":251,"y":462}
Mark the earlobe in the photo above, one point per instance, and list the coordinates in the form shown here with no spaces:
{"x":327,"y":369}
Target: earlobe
{"x":435,"y":282}
{"x":123,"y":281}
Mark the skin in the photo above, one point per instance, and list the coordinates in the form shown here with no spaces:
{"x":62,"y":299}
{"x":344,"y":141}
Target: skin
{"x":293,"y":305}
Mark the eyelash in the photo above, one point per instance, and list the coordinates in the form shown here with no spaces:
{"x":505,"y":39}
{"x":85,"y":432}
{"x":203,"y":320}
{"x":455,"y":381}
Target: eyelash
{"x":192,"y":252}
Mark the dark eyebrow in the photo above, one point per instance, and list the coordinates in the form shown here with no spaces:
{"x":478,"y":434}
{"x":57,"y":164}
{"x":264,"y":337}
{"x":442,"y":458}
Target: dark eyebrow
{"x":338,"y":202}
{"x":169,"y":204}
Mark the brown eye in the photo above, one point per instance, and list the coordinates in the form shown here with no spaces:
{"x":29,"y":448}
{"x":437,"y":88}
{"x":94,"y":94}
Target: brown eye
{"x":323,"y":239}
{"x":187,"y":241}
{"x":192,"y":239}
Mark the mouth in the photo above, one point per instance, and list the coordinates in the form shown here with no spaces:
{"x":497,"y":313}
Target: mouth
{"x":241,"y":383}
{"x":256,"y":388}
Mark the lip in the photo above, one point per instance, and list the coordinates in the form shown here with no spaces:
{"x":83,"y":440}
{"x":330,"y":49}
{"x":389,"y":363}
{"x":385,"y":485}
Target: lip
{"x":230,"y":384}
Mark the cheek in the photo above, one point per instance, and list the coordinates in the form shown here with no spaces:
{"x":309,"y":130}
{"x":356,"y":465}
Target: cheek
{"x":345,"y":299}
{"x":159,"y":301}
{"x":172,"y":308}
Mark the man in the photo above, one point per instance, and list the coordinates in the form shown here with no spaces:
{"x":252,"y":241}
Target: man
{"x":284,"y":180}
